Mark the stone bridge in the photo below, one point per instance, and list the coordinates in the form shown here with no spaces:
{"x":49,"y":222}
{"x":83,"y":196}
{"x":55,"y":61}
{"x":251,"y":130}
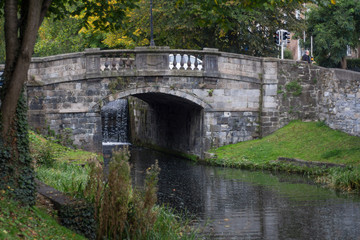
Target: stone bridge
{"x":187,"y":104}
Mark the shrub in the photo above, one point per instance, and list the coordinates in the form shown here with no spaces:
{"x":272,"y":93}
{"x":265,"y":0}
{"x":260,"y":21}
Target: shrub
{"x":45,"y":156}
{"x":288,"y":54}
{"x":294,"y":87}
{"x":122,"y":212}
{"x":353,"y":64}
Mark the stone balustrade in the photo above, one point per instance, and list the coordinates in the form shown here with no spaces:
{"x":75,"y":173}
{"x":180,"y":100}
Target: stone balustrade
{"x":160,"y":58}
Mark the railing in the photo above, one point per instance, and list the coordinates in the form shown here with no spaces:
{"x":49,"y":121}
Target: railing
{"x":117,"y":61}
{"x":149,"y":59}
{"x":182,"y":61}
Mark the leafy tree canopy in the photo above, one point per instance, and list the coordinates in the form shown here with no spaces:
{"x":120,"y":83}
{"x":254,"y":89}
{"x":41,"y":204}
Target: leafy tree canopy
{"x":334,"y":27}
{"x":226,"y":25}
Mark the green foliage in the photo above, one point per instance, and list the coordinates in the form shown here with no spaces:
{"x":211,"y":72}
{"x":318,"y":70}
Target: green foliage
{"x":142,"y":215}
{"x":294,"y":88}
{"x":288,"y":54}
{"x":19,"y":222}
{"x":57,"y":37}
{"x":69,"y":178}
{"x":347,"y":179}
{"x":171,"y":225}
{"x":225,"y":25}
{"x":79,"y":217}
{"x":194,"y":24}
{"x":353,"y":64}
{"x":16,"y":170}
{"x":121,"y":211}
{"x":59,"y":152}
{"x":338,"y":153}
{"x":334,"y":27}
{"x":45,"y":156}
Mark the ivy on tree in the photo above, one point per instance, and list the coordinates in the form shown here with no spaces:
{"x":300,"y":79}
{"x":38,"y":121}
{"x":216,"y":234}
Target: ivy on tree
{"x":22,"y":21}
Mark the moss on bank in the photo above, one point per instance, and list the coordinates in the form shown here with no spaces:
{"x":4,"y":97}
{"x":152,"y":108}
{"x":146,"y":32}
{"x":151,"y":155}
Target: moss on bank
{"x":310,"y":141}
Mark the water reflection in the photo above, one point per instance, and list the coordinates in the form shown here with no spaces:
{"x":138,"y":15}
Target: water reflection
{"x":251,"y":205}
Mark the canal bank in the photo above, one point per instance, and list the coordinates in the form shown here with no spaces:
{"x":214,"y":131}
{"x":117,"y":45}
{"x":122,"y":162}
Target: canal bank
{"x":231,"y":203}
{"x":311,"y":142}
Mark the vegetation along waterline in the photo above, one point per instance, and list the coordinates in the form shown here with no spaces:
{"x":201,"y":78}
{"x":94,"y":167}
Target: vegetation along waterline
{"x":309,"y":141}
{"x":137,"y":216}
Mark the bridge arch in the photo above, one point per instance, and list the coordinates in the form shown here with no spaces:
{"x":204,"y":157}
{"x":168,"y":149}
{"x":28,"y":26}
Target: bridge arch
{"x":180,"y":95}
{"x":164,"y":117}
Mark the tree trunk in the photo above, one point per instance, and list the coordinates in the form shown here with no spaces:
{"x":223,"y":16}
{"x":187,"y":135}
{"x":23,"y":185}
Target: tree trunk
{"x":343,"y":63}
{"x":18,"y":56}
{"x":22,"y":22}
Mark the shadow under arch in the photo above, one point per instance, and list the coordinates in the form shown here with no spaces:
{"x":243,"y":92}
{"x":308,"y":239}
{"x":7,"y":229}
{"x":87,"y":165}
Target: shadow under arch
{"x":182,"y":95}
{"x":164,"y":118}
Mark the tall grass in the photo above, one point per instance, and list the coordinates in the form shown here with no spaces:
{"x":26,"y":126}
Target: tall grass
{"x":66,"y":177}
{"x":121,"y":211}
{"x":347,"y":179}
{"x":125,"y":212}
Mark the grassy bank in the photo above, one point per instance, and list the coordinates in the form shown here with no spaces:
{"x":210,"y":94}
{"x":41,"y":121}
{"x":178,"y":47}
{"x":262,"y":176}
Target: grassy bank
{"x":310,"y":141}
{"x":23,"y":222}
{"x":67,"y":170}
{"x":46,"y":150}
{"x":17,"y":222}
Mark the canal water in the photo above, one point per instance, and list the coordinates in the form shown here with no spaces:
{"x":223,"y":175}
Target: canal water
{"x":239,"y":204}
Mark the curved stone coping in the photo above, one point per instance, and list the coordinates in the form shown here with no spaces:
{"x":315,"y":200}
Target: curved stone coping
{"x":301,"y":162}
{"x":143,"y":90}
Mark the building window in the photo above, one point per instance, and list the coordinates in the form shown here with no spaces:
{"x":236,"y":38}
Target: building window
{"x":348,"y":51}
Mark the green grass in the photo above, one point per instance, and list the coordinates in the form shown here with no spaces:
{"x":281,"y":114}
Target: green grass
{"x":60,"y":153}
{"x":17,"y":222}
{"x":69,"y":178}
{"x":312,"y":141}
{"x":60,"y":167}
{"x":170,"y":225}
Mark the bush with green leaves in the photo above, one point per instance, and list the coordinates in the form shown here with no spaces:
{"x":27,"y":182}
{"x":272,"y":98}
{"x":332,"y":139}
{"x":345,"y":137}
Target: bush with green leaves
{"x":353,"y":64}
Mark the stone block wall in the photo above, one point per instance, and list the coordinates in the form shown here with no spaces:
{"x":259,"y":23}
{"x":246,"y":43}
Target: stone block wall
{"x":61,"y":106}
{"x":222,"y":128}
{"x":339,"y":100}
{"x":294,"y":96}
{"x":59,"y":68}
{"x":330,"y":95}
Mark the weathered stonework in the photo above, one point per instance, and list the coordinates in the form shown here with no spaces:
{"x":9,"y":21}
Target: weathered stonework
{"x":228,"y":98}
